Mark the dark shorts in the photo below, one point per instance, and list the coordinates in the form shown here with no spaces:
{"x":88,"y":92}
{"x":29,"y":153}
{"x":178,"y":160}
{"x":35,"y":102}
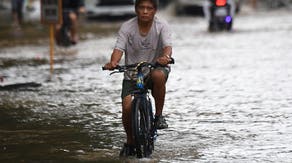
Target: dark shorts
{"x":17,"y":5}
{"x":70,"y":10}
{"x":130,"y":85}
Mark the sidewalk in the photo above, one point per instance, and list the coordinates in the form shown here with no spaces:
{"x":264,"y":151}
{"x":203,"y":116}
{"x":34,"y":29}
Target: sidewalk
{"x":36,"y":33}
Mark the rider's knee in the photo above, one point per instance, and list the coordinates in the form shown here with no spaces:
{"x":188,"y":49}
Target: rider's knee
{"x":126,"y":103}
{"x":58,"y":26}
{"x":157,"y":76}
{"x":73,"y":16}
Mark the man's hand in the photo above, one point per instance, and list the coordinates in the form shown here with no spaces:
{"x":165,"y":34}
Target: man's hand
{"x":163,"y":60}
{"x":115,"y":59}
{"x":110,"y":65}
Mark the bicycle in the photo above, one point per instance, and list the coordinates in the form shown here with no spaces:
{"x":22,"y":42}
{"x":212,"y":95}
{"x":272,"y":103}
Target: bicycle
{"x":144,"y":130}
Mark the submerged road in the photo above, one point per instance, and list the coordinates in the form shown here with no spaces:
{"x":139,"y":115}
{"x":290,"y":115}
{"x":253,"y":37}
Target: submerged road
{"x":229,"y":97}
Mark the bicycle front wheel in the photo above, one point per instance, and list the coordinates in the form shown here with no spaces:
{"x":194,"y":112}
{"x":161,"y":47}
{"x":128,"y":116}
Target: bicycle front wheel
{"x":141,"y":127}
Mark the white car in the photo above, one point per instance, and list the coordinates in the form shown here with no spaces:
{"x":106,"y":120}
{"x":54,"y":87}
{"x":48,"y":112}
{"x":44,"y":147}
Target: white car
{"x":96,"y":8}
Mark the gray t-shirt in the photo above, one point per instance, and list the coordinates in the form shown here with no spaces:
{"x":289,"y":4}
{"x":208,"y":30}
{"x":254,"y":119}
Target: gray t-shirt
{"x":138,"y":48}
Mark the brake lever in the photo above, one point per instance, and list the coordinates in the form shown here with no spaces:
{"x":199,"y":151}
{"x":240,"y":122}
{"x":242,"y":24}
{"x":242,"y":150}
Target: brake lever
{"x":114,"y":72}
{"x":171,"y":61}
{"x":119,"y":69}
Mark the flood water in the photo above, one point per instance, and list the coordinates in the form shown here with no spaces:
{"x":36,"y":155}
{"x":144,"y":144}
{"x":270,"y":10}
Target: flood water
{"x":229,"y":97}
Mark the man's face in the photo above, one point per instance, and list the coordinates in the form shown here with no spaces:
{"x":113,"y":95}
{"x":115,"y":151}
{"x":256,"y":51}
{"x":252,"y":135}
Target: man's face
{"x":145,"y":11}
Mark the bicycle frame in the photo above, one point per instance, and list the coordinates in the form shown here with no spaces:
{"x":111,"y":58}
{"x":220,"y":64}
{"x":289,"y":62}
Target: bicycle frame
{"x":144,"y":131}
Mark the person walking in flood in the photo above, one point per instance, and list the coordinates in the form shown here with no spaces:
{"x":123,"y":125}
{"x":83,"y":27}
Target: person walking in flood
{"x":17,"y":13}
{"x":71,"y":9}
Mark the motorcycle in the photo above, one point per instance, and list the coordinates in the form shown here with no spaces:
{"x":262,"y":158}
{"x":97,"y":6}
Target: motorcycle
{"x":220,"y":14}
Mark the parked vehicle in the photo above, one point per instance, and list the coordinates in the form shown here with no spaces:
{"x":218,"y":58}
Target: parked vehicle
{"x":220,"y":14}
{"x":164,"y":3}
{"x":194,"y":7}
{"x":96,"y":8}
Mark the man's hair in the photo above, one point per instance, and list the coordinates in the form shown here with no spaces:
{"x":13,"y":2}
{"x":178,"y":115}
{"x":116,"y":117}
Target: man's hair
{"x":154,"y":2}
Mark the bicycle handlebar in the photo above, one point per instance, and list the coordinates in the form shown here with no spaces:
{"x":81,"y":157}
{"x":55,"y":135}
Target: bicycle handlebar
{"x":138,"y":65}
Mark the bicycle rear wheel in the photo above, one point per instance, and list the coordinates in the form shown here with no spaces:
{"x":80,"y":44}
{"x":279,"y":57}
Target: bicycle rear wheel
{"x":141,"y":122}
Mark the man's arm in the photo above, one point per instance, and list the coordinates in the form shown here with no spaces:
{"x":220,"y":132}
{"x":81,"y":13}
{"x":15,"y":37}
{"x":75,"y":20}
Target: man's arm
{"x":115,"y":59}
{"x":165,"y":58}
{"x":167,"y":51}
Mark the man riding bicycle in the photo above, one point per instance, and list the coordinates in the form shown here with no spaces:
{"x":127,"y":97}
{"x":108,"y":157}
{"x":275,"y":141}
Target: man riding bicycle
{"x":73,"y":8}
{"x":143,"y":38}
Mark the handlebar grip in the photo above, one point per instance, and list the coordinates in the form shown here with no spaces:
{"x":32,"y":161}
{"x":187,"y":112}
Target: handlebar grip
{"x":117,"y":68}
{"x":172,"y":61}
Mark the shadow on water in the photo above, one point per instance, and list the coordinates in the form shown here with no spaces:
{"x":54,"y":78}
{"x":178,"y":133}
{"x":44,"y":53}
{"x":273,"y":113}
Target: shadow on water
{"x":20,"y":86}
{"x":41,"y":122}
{"x":26,"y":136}
{"x":10,"y":62}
